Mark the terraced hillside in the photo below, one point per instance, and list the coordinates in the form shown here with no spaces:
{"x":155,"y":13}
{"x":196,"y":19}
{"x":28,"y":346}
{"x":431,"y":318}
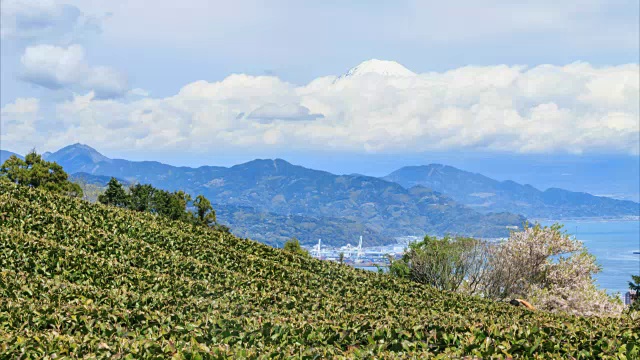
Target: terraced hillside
{"x":85,"y":280}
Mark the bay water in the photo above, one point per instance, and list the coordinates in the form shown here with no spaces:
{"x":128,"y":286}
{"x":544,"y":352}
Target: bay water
{"x":613,"y":243}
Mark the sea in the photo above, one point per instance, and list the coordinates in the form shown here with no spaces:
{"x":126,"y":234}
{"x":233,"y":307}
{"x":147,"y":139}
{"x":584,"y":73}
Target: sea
{"x":612,"y":242}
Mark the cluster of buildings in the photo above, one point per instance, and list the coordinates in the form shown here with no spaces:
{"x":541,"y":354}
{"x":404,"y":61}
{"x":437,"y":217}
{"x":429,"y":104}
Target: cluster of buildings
{"x":357,"y":254}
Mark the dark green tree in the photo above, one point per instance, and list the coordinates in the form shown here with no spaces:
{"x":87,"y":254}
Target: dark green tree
{"x":172,"y":205}
{"x":165,"y":204}
{"x":142,"y":197}
{"x":183,"y":198}
{"x":293,"y":245}
{"x":36,"y":172}
{"x":204,"y":211}
{"x":115,"y":194}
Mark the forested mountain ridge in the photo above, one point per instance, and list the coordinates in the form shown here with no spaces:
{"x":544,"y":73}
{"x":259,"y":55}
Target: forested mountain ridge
{"x":488,"y":195}
{"x":274,"y":229}
{"x":4,"y":155}
{"x":384,"y":209}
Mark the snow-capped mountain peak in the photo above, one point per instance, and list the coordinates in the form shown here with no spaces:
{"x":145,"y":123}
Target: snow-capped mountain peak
{"x":380,"y":67}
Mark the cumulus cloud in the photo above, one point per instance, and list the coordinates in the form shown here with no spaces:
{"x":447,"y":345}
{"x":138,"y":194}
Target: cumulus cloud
{"x":577,"y":108}
{"x":19,"y":124}
{"x":138,"y":92}
{"x":288,"y":112}
{"x":45,"y":21}
{"x":21,"y":107}
{"x":55,"y":67}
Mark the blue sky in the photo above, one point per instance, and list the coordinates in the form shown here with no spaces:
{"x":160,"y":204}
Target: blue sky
{"x":162,"y":47}
{"x":215,"y":82}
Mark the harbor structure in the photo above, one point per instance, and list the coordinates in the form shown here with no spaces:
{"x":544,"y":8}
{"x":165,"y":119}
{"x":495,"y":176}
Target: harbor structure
{"x":358,"y":255}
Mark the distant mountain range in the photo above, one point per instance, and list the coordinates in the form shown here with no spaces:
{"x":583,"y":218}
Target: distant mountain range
{"x":4,"y":155}
{"x":271,"y":200}
{"x":99,"y":180}
{"x":488,"y":195}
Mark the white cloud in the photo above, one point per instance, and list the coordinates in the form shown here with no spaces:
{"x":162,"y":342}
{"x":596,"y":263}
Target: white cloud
{"x":18,"y":124}
{"x":290,"y":112}
{"x":45,"y":21}
{"x":22,"y":107}
{"x":56,"y":67}
{"x":575,"y":108}
{"x":138,"y":92}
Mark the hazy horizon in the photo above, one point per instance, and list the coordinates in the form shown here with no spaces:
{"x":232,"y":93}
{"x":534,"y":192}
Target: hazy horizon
{"x":570,"y":172}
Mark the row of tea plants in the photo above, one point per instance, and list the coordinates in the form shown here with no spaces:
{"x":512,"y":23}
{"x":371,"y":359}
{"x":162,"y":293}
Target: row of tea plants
{"x":89,"y":280}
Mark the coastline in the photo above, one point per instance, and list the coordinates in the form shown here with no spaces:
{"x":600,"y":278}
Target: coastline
{"x":586,"y":219}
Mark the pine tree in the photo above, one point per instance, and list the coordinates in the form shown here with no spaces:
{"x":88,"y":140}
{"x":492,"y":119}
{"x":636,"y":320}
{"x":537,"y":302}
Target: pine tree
{"x":142,"y":197}
{"x":36,"y":172}
{"x":115,"y":194}
{"x":205,"y":213}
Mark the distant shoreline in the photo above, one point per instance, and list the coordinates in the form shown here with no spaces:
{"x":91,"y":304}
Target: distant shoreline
{"x":589,"y":219}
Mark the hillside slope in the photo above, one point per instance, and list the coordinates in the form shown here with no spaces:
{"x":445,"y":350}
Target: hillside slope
{"x":488,"y":195}
{"x":85,"y":280}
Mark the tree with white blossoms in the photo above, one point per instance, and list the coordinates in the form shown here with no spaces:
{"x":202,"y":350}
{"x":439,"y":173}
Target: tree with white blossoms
{"x":551,"y":270}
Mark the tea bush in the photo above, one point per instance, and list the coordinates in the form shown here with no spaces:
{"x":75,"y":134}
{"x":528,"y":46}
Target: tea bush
{"x":88,"y":280}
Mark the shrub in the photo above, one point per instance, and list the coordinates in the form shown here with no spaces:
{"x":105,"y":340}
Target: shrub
{"x":541,"y":264}
{"x":450,"y":263}
{"x":293,"y":245}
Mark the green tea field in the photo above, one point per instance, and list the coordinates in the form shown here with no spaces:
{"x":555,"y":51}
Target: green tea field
{"x":83,"y":280}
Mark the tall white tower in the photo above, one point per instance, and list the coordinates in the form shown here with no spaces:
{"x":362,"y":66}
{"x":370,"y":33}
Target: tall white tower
{"x":359,"y":250}
{"x":318,"y":248}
